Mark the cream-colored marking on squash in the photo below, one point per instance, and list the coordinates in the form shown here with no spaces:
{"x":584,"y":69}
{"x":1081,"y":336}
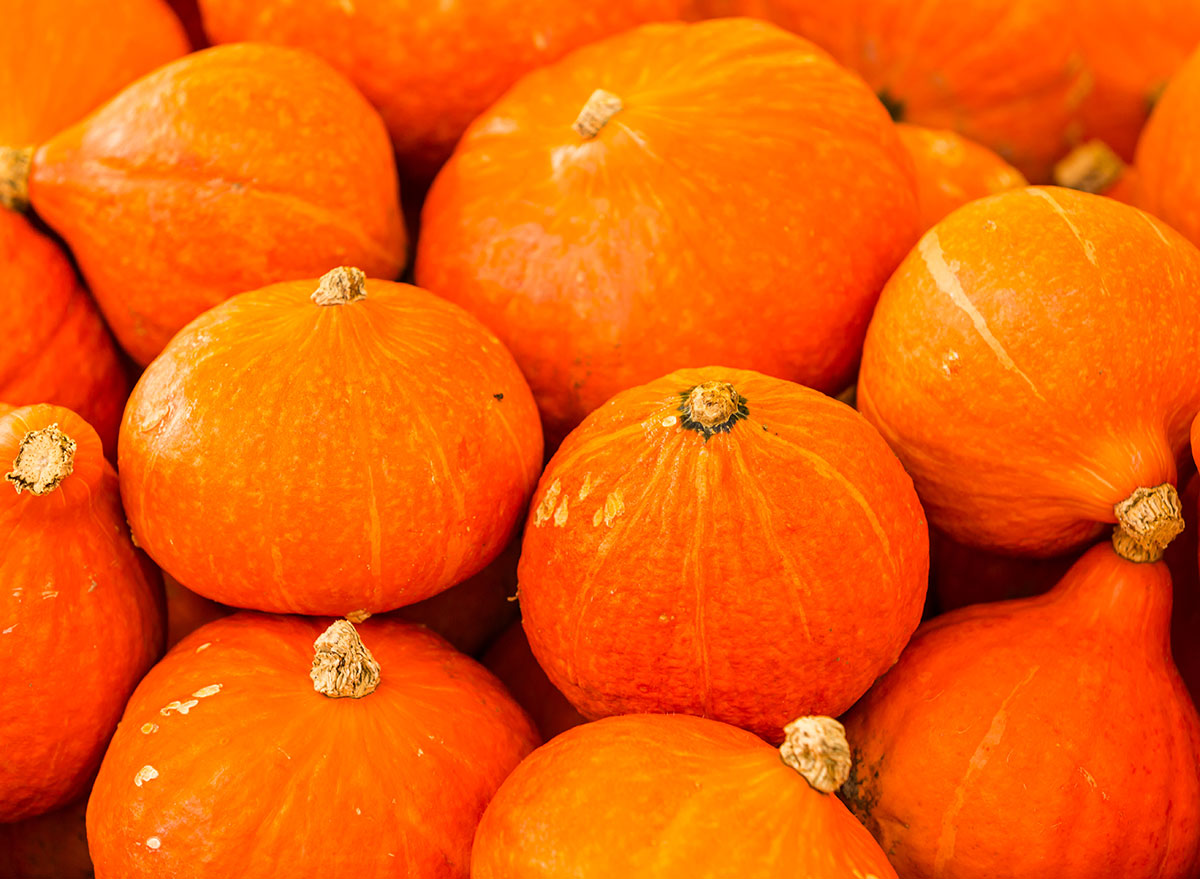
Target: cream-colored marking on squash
{"x":614,"y":506}
{"x":204,"y":646}
{"x":560,"y":515}
{"x":146,"y":773}
{"x":148,"y":728}
{"x":210,"y":690}
{"x":181,"y":707}
{"x":153,"y":843}
{"x":9,"y":629}
{"x":92,"y":584}
{"x":1090,"y":780}
{"x":670,"y":421}
{"x":586,"y":488}
{"x":944,"y":274}
{"x":1089,"y":248}
{"x":546,"y":508}
{"x":49,"y":593}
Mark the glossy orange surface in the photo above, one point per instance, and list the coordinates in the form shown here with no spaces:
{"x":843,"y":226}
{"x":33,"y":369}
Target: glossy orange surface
{"x":80,"y":619}
{"x":252,"y":164}
{"x":1049,"y":736}
{"x":662,"y":797}
{"x":773,"y":570}
{"x":228,"y":762}
{"x":291,"y":457}
{"x":1168,"y":154}
{"x":744,"y":207}
{"x":1032,"y":362}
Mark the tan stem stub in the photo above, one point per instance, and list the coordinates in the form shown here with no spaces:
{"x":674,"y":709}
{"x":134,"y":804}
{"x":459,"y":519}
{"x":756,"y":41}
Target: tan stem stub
{"x":712,"y":407}
{"x":816,"y":747}
{"x":343,"y":284}
{"x":1090,"y":167}
{"x":44,"y":459}
{"x":15,"y":163}
{"x":600,"y":107}
{"x":358,"y":616}
{"x":343,"y":666}
{"x":1147,"y":521}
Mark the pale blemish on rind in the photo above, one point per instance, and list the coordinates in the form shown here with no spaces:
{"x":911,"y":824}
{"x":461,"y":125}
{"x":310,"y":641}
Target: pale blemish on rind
{"x":586,"y":488}
{"x":146,"y":773}
{"x":614,"y":507}
{"x":153,"y":843}
{"x":560,"y":515}
{"x":204,"y":646}
{"x":545,"y":509}
{"x":181,"y":707}
{"x":210,"y":690}
{"x":945,"y":276}
{"x":148,"y":728}
{"x":1089,"y":247}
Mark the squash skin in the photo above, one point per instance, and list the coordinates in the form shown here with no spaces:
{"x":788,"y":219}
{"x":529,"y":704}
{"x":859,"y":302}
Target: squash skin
{"x":439,"y":729}
{"x":253,"y":164}
{"x":57,"y":349}
{"x":419,"y":450}
{"x":695,"y":798}
{"x":82,"y":614}
{"x":453,"y":59}
{"x":60,"y":59}
{"x":952,"y":170}
{"x":1167,"y":162}
{"x":664,"y":242}
{"x":1048,"y":736}
{"x":772,"y":571}
{"x":511,"y":660}
{"x":50,"y":846}
{"x":1026,"y":415}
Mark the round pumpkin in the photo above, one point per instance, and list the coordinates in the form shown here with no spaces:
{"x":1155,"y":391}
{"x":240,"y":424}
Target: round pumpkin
{"x":251,"y":164}
{"x":1050,"y":736}
{"x":1095,"y":167}
{"x":80,"y":608}
{"x":329,"y":447}
{"x":231,"y":761}
{"x":723,"y":544}
{"x":60,"y":59}
{"x":676,"y":798}
{"x":671,"y":215}
{"x":430,"y":68}
{"x":1036,"y":400}
{"x":1005,"y":73}
{"x":50,"y":846}
{"x":952,"y":170}
{"x":511,"y":660}
{"x":1131,"y":51}
{"x":56,"y":348}
{"x":1167,"y":160}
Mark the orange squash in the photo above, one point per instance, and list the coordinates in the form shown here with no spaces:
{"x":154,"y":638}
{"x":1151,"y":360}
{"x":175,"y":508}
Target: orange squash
{"x":1032,"y":363}
{"x":60,"y":59}
{"x":187,"y":611}
{"x":683,"y":219}
{"x":252,"y":164}
{"x":961,"y":575}
{"x":1182,"y":560}
{"x":511,"y":660}
{"x":724,"y":544}
{"x":1094,"y":167}
{"x":56,"y":348}
{"x":1168,"y":153}
{"x":231,"y":761}
{"x":430,"y":68}
{"x":1131,"y":51}
{"x":365,"y":445}
{"x":1049,"y":736}
{"x":952,"y":170}
{"x":189,"y":15}
{"x":50,"y":846}
{"x":80,"y":608}
{"x":1008,"y":74}
{"x":675,"y":798}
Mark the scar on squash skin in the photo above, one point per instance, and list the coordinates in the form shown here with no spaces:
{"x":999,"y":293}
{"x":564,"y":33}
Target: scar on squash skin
{"x":210,"y":690}
{"x":546,"y":508}
{"x":181,"y":707}
{"x":614,"y":506}
{"x":560,"y":515}
{"x":586,"y":488}
{"x":148,"y":728}
{"x":146,"y":773}
{"x":153,"y":843}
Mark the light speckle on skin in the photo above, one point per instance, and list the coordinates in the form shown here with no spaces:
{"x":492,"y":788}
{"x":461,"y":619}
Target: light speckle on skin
{"x":210,"y":690}
{"x":146,"y":773}
{"x":49,"y":593}
{"x":181,"y":707}
{"x":614,"y":506}
{"x":153,"y":843}
{"x":420,"y":752}
{"x":546,"y":508}
{"x":204,"y":646}
{"x":670,"y":421}
{"x":92,"y":584}
{"x":148,"y":728}
{"x":560,"y":515}
{"x":357,"y":811}
{"x":586,"y":488}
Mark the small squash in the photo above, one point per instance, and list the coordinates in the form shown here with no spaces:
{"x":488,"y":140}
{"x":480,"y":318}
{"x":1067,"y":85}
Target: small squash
{"x":1037,"y":400}
{"x":230,"y":761}
{"x":724,"y":544}
{"x":671,"y":214}
{"x":251,"y":164}
{"x":60,"y":59}
{"x":56,"y":348}
{"x":1168,"y":153}
{"x":1008,"y":74}
{"x":511,"y":660}
{"x":1049,"y":736}
{"x":365,"y":445}
{"x":430,"y":68}
{"x":953,"y":170}
{"x":679,"y":797}
{"x":80,"y":608}
{"x":50,"y":846}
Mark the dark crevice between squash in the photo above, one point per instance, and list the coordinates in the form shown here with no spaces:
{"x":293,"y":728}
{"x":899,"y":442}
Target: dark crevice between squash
{"x":892,"y":104}
{"x":711,"y":408}
{"x":15,"y":163}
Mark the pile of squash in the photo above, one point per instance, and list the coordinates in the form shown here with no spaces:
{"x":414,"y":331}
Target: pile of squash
{"x":643,"y":438}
